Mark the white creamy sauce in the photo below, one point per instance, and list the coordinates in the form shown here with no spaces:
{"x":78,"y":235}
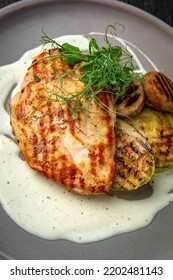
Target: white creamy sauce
{"x":46,"y":209}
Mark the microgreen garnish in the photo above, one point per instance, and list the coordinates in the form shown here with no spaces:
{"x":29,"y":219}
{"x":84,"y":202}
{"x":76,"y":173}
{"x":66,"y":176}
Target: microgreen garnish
{"x":103,"y":69}
{"x":37,"y":79}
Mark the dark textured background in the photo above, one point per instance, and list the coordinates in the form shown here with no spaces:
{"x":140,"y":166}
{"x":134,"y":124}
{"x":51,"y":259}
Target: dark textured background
{"x":162,"y":9}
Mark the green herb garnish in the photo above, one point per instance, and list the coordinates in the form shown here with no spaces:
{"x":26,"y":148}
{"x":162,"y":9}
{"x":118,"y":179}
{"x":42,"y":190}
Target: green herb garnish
{"x":37,"y":79}
{"x":103,"y":69}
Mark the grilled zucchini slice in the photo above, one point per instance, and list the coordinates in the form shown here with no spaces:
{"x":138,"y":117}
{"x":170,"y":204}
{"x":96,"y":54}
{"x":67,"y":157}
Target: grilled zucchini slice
{"x":157,"y":128}
{"x":134,"y":158}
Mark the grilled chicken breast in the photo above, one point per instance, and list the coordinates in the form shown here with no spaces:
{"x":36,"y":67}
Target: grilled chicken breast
{"x":76,"y":151}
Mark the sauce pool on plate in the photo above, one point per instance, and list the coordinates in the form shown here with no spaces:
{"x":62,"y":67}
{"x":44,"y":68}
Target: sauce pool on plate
{"x":45,"y":208}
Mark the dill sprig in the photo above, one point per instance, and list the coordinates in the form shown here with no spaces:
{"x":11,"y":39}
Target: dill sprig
{"x":103,"y":69}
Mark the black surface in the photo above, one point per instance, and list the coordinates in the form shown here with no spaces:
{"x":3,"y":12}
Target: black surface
{"x":162,"y":9}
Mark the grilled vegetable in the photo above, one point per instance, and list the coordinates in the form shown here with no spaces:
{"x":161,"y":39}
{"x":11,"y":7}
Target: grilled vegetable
{"x":157,"y":128}
{"x":134,"y":158}
{"x":159,"y":91}
{"x":75,"y":151}
{"x":134,"y":101}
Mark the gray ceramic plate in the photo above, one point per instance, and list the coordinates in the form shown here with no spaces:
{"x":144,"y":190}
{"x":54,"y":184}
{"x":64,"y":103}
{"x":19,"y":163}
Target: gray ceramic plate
{"x":20,"y":30}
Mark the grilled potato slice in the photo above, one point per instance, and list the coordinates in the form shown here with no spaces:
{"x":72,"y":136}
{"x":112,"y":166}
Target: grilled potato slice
{"x":157,"y":128}
{"x":134,"y":158}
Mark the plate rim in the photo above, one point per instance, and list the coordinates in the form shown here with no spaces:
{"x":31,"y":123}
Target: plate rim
{"x":25,"y":4}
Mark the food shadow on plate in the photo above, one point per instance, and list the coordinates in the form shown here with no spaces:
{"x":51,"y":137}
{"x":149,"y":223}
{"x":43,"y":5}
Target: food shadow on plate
{"x":143,"y":192}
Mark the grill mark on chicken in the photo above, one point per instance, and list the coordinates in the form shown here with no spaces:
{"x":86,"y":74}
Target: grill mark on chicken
{"x":43,"y":144}
{"x":63,"y":170}
{"x":101,"y":149}
{"x":35,"y":146}
{"x":107,"y":117}
{"x":93,"y":163}
{"x":70,"y":122}
{"x":72,"y":177}
{"x":50,"y":116}
{"x":53,"y":141}
{"x":81,"y":183}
